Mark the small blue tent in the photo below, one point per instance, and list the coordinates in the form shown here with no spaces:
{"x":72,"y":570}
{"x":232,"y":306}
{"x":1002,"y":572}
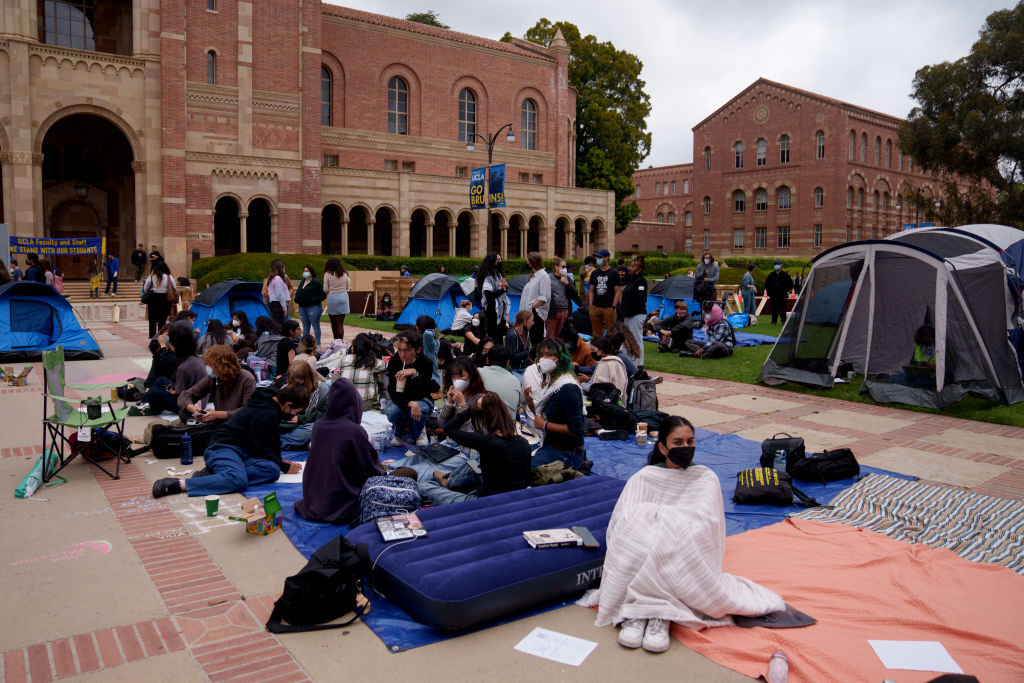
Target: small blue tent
{"x":436,"y":295}
{"x":223,"y":299}
{"x":664,"y":295}
{"x":34,"y":318}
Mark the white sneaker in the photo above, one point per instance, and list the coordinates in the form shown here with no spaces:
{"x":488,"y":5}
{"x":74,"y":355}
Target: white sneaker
{"x":656,"y":636}
{"x":423,"y":439}
{"x":631,"y":633}
{"x":395,"y":441}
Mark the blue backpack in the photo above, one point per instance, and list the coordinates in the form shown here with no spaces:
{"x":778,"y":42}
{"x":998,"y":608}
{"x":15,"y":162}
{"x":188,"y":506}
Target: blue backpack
{"x":387,"y":495}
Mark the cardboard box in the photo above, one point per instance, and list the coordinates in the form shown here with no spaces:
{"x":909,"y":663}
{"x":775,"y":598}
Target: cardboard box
{"x":17,"y":380}
{"x":263,"y":518}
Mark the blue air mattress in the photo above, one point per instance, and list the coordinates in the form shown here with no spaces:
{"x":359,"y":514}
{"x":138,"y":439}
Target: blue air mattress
{"x":475,"y":566}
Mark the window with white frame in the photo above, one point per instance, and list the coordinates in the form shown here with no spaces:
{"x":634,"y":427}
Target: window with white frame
{"x":783,"y":238}
{"x":739,"y":236}
{"x":688,"y":218}
{"x":819,"y":197}
{"x":888,"y":153}
{"x":878,"y":151}
{"x":853,"y":143}
{"x":760,"y":238}
{"x":467,"y":115}
{"x":661,"y":217}
{"x":785,"y":198}
{"x":673,"y":187}
{"x":689,"y":245}
{"x":739,"y":201}
{"x":398,"y":106}
{"x":760,"y":200}
{"x":762,"y":152}
{"x":707,"y":240}
{"x":819,"y":145}
{"x":860,"y":198}
{"x":657,"y":189}
{"x":671,"y":218}
{"x":784,"y":149}
{"x":818,"y":234}
{"x":686,"y":187}
{"x":528,"y":124}
{"x":738,"y":149}
{"x":707,"y":205}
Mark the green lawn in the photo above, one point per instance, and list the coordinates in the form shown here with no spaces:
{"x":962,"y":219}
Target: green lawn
{"x":745,"y":366}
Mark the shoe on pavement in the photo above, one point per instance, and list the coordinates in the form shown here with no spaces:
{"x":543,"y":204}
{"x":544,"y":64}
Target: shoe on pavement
{"x":631,"y":633}
{"x":165,"y":487}
{"x":656,"y":636}
{"x":659,"y":379}
{"x":423,"y":439}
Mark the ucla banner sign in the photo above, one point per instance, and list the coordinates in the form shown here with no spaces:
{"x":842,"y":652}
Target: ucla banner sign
{"x":496,"y":186}
{"x":476,"y":189}
{"x":49,"y":246}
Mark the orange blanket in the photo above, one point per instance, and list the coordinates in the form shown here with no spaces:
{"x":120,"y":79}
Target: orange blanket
{"x":862,"y":585}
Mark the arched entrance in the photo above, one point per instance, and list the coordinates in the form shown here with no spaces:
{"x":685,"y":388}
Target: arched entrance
{"x":533,"y":234}
{"x":442,"y":233}
{"x":88,"y":186}
{"x":382,"y":232}
{"x":257,"y":226}
{"x":463,"y":233}
{"x":418,"y":233}
{"x":330,"y":229}
{"x":357,"y":216}
{"x":515,"y":235}
{"x":577,"y":238}
{"x":227,"y":231}
{"x":561,"y":230}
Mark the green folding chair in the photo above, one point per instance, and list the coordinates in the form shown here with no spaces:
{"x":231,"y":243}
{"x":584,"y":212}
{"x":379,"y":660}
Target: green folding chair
{"x":69,"y":417}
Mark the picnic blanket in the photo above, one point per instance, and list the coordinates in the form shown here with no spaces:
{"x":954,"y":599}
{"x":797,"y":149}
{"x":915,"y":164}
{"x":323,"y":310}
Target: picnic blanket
{"x":660,"y":512}
{"x":742,"y":338}
{"x":976,"y":527}
{"x":862,"y":585}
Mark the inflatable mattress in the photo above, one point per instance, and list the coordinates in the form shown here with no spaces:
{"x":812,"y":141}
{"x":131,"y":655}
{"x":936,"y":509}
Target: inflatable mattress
{"x":474,"y":565}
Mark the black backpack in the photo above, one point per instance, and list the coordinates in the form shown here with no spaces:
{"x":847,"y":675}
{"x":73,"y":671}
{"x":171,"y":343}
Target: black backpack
{"x":325,"y":589}
{"x":166,"y":441}
{"x":827,"y":466}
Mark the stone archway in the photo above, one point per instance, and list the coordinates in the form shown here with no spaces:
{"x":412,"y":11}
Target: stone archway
{"x":358,"y":230}
{"x":464,"y":233}
{"x":258,"y":234}
{"x":383,"y":232}
{"x":330,"y":230}
{"x":561,"y":233}
{"x":227,"y":230}
{"x":418,"y":232}
{"x":442,"y":234}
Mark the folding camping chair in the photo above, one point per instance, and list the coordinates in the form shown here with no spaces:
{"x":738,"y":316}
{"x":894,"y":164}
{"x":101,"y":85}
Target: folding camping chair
{"x":70,"y":414}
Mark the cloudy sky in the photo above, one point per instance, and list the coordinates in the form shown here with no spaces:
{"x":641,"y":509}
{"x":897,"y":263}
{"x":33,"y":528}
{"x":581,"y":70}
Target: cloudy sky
{"x":698,"y":54}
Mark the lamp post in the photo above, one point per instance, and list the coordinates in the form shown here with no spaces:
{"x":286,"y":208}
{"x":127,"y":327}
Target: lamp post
{"x":489,"y":141}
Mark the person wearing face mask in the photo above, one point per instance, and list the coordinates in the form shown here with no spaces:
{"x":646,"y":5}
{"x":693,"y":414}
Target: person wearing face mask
{"x":634,"y":305}
{"x":609,"y":369}
{"x":226,"y":385}
{"x":491,"y":288}
{"x":777,"y":286}
{"x":705,"y":278}
{"x":309,"y":297}
{"x":517,"y":340}
{"x":163,"y":394}
{"x":563,"y":291}
{"x":558,"y":409}
{"x":462,"y":381}
{"x":536,"y":296}
{"x":246,"y":450}
{"x":604,"y":295}
{"x":666,"y":545}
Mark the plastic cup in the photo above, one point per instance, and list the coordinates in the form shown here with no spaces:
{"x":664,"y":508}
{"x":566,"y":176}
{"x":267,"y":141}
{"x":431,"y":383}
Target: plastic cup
{"x":400,"y":384}
{"x":212,"y":504}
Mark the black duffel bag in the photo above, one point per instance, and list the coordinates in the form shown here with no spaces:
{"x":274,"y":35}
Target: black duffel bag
{"x":166,"y":441}
{"x":768,"y":486}
{"x":791,"y":449}
{"x":825,"y":467}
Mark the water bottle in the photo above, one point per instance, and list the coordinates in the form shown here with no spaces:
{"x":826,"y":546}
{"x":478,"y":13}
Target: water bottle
{"x":186,"y":449}
{"x":778,"y":667}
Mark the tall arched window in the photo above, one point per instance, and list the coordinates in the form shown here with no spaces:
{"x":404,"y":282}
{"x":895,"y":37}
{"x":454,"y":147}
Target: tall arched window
{"x":899,"y":202}
{"x":69,"y":23}
{"x":761,"y":200}
{"x":671,"y":217}
{"x":784,"y":149}
{"x":888,"y":153}
{"x":661,"y":217}
{"x":326,"y":90}
{"x":819,"y":197}
{"x":878,"y":151}
{"x":785,"y":198}
{"x":707,"y":160}
{"x":762,"y":152}
{"x":528,"y":124}
{"x":211,"y":67}
{"x":875,"y":201}
{"x":860,"y":198}
{"x":467,"y":115}
{"x":819,"y":145}
{"x":849,"y":198}
{"x":863,"y":147}
{"x":707,"y":205}
{"x":885,"y":202}
{"x":739,"y":201}
{"x":853,"y":143}
{"x":738,"y":148}
{"x":688,"y":218}
{"x":899,"y":159}
{"x":398,"y":106}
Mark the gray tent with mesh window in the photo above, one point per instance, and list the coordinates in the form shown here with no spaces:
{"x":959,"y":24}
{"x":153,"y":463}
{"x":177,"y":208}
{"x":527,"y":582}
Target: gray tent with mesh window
{"x":863,"y":302}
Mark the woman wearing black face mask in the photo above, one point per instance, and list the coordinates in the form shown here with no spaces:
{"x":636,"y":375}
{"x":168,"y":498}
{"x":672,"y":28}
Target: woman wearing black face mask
{"x":666,"y":543}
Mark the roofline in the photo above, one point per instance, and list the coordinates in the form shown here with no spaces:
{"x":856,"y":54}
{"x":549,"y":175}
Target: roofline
{"x":662,"y":168}
{"x":806,"y":93}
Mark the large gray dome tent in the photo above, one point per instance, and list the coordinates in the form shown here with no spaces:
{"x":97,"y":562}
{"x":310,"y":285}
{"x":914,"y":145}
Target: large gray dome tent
{"x":863,"y":302}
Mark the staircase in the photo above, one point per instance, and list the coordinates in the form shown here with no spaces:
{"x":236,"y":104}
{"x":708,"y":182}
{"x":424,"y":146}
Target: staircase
{"x":77,"y":292}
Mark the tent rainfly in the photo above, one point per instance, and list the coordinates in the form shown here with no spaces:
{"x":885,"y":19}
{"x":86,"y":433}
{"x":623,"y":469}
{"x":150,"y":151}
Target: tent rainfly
{"x":223,"y":299}
{"x":34,"y":318}
{"x":663,"y":296}
{"x":436,"y":295}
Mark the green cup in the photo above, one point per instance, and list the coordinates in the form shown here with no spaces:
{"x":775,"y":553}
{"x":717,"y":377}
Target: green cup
{"x":212,"y":503}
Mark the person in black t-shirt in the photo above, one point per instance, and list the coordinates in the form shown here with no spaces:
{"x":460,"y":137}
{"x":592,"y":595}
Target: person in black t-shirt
{"x":603,"y":296}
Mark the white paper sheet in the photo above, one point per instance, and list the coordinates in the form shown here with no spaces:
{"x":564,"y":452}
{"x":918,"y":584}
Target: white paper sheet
{"x":558,"y":647}
{"x":915,"y":655}
{"x":291,"y":478}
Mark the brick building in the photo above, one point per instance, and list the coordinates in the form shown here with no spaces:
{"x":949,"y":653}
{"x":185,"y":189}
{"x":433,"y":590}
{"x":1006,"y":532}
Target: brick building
{"x":781,"y":171}
{"x":218,"y":126}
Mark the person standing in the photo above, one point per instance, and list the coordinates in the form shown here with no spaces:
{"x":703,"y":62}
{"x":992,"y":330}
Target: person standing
{"x":158,"y":304}
{"x":588,"y":268}
{"x":634,"y":303}
{"x":154,"y":255}
{"x":705,"y":279}
{"x":309,"y":297}
{"x":95,"y":277}
{"x":139,"y":261}
{"x":563,"y":290}
{"x":16,"y":274}
{"x":493,"y":301}
{"x":336,"y":286}
{"x":749,"y":290}
{"x":605,"y":292}
{"x":278,"y":291}
{"x":777,"y":286}
{"x":111,"y":266}
{"x":536,"y":296}
{"x":34,"y":272}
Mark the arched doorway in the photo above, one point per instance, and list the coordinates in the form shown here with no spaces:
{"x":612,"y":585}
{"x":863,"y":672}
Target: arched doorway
{"x":330,"y":229}
{"x":533,"y":233}
{"x":463,"y":233}
{"x":515,"y":235}
{"x":357,"y":230}
{"x":382,"y":232}
{"x":227,"y":232}
{"x":257,"y":227}
{"x":418,"y":233}
{"x":597,"y":236}
{"x":577,"y":238}
{"x":88,"y":186}
{"x":442,"y":234}
{"x":561,"y":229}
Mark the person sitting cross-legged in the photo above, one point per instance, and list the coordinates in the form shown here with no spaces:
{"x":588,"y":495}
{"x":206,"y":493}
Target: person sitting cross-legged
{"x":720,"y":341}
{"x":674,"y":331}
{"x":410,"y":384}
{"x":246,"y":450}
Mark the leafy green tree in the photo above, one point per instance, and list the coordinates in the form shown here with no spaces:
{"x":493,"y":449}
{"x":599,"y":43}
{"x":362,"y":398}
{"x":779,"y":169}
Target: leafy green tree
{"x":970,"y":122}
{"x":611,"y":113}
{"x":429,"y":17}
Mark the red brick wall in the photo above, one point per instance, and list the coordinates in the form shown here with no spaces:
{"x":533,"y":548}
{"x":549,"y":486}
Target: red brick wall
{"x":206,"y":30}
{"x":172,"y":116}
{"x":275,"y":49}
{"x":644,"y":236}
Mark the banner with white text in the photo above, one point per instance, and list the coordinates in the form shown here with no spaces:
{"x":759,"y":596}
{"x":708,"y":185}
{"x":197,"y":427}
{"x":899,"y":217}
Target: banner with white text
{"x":476,"y":189}
{"x":59,"y":246}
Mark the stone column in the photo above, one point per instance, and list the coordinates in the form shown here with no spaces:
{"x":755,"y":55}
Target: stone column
{"x":141,"y":227}
{"x":369,"y":235}
{"x":522,"y":242}
{"x":243,"y":235}
{"x":586,"y":240}
{"x":428,"y":227}
{"x":451,"y":241}
{"x":570,"y":237}
{"x":344,"y":236}
{"x":504,"y":241}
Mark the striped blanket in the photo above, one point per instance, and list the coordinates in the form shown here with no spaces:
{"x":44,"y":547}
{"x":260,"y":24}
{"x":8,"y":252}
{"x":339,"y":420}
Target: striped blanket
{"x":978,"y":528}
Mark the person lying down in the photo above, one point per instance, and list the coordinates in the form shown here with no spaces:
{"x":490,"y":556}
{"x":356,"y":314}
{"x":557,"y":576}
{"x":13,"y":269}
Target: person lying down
{"x":666,"y":543}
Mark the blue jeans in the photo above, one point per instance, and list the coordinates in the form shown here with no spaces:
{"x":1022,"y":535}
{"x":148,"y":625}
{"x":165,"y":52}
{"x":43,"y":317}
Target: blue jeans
{"x":440,"y":495}
{"x":298,"y":438}
{"x":400,"y":416}
{"x":159,"y":399}
{"x":546,"y":454}
{"x":310,"y":316}
{"x":749,"y":304}
{"x":111,"y":281}
{"x":232,"y":472}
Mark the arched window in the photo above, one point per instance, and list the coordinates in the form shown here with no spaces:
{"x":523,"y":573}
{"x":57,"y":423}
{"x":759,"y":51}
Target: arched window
{"x":888,"y":153}
{"x":707,"y":205}
{"x":762,"y":152}
{"x":819,"y":197}
{"x":819,"y":145}
{"x":398,"y":106}
{"x":860,"y":198}
{"x":739,"y":201}
{"x":899,"y":202}
{"x":707,"y":160}
{"x":785,"y":198}
{"x":467,"y":115}
{"x":885,"y":202}
{"x":661,"y":217}
{"x":671,"y":217}
{"x":875,"y":201}
{"x":688,"y":218}
{"x":878,"y":151}
{"x":69,"y":23}
{"x":528,"y":124}
{"x":849,"y":198}
{"x":899,"y":158}
{"x":326,"y":89}
{"x":784,"y":149}
{"x":211,"y":67}
{"x":863,"y":146}
{"x":761,"y":200}
{"x":853,"y":143}
{"x":739,"y":154}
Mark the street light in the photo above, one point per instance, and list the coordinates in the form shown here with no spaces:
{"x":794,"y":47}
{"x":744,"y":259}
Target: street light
{"x":489,"y":141}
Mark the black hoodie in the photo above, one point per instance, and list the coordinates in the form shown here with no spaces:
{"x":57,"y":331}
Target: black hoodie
{"x":255,"y":429}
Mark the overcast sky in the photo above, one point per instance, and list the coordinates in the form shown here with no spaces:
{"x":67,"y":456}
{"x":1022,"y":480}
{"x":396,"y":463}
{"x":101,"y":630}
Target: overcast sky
{"x":698,"y":54}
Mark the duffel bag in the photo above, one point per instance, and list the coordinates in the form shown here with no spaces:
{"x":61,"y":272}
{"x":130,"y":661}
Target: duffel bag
{"x":790,"y":450}
{"x":825,"y":467}
{"x":166,"y":441}
{"x":767,"y":486}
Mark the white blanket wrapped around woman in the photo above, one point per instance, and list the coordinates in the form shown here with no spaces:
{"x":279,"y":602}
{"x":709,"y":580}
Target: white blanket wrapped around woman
{"x":666,"y":543}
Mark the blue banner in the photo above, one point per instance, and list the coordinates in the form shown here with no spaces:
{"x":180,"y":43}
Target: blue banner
{"x":58,"y":246}
{"x":476,"y":189}
{"x":496,"y":186}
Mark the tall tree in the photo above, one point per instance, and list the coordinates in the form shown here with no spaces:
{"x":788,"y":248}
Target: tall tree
{"x":611,"y":113}
{"x":429,"y":17}
{"x":970,"y":122}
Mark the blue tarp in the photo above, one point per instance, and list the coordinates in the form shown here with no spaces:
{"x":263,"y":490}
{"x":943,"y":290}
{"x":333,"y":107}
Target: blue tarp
{"x":223,"y":299}
{"x":742,"y":338}
{"x":34,"y":318}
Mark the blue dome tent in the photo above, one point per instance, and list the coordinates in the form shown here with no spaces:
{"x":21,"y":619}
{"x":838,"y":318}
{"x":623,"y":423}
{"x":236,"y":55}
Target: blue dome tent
{"x":663,"y":296}
{"x":34,"y":318}
{"x":223,"y":299}
{"x":436,"y":295}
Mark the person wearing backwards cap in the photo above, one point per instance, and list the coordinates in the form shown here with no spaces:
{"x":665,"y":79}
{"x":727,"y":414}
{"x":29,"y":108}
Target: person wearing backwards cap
{"x":777,"y":286}
{"x":603,"y":296}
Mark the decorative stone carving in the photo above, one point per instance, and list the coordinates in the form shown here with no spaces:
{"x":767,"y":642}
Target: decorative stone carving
{"x":761,"y":114}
